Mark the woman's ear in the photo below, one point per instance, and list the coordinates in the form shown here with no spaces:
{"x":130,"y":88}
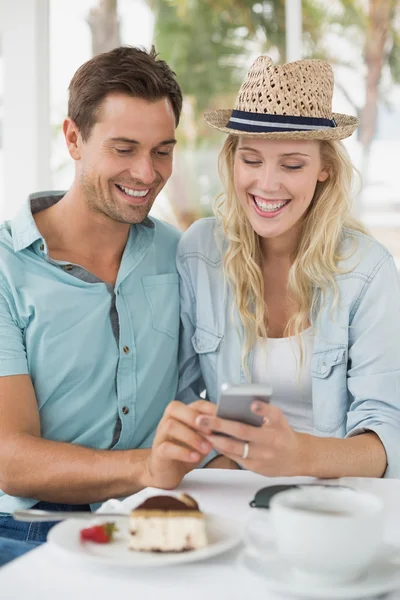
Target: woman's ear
{"x":323,"y":174}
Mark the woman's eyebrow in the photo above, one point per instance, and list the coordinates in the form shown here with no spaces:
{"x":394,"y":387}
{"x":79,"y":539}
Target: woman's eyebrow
{"x":248,"y":148}
{"x":295,"y":154}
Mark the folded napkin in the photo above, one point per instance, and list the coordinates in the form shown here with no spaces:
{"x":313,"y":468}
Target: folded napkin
{"x":128,"y":504}
{"x":113,"y":506}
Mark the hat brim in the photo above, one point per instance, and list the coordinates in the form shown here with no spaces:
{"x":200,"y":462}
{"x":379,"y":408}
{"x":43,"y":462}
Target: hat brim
{"x":346,"y":125}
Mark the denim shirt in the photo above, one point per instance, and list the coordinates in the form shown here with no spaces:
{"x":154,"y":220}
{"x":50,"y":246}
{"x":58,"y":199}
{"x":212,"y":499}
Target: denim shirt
{"x":355,"y":365}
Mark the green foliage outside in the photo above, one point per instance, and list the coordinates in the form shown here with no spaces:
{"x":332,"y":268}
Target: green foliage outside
{"x":211,"y":44}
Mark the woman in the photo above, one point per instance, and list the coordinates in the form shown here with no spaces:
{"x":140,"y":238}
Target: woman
{"x":285,"y":287}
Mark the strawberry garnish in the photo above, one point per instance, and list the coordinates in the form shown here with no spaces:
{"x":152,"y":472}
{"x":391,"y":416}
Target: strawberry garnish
{"x":100,"y":534}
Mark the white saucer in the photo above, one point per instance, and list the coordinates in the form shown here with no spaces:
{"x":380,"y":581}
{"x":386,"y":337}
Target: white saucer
{"x":382,"y":577}
{"x":223,"y":535}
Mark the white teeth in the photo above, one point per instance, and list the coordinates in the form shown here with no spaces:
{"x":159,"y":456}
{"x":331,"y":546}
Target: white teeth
{"x":270,"y":207}
{"x":134,"y":193}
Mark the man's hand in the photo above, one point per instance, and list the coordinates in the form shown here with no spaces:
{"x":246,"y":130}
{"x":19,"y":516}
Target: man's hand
{"x":178,"y":447}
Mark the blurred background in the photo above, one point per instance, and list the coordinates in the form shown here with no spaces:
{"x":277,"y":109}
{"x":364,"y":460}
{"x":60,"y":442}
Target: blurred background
{"x":210,"y":44}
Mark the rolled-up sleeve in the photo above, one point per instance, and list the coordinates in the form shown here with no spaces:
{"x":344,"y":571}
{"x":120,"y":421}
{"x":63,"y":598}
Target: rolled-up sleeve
{"x":374,"y":362}
{"x":12,"y":350}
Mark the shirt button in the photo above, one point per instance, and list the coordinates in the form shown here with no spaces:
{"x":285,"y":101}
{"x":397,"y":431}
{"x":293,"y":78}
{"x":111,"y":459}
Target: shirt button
{"x":324,"y":368}
{"x":125,"y":410}
{"x":41,"y":247}
{"x":69,"y":267}
{"x":126,"y":349}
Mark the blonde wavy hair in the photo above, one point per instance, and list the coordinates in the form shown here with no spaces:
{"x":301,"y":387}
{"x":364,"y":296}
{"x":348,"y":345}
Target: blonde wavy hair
{"x":315,"y":262}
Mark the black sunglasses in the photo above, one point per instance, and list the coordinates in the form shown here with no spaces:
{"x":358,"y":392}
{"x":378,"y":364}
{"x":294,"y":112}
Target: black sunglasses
{"x":263,"y":497}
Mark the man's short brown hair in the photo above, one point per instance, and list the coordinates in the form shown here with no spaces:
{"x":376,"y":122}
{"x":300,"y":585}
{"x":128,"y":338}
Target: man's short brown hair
{"x":126,"y":70}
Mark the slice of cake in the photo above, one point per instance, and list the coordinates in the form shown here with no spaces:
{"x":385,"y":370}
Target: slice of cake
{"x":167,"y":524}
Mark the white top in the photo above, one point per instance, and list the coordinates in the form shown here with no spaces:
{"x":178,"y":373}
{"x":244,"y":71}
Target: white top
{"x":276,"y":362}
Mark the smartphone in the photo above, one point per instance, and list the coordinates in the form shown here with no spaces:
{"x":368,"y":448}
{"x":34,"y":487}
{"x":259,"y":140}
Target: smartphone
{"x":235,"y":401}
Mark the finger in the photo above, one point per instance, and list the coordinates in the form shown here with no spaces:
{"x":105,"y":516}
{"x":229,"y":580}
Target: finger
{"x":229,"y":446}
{"x":272,"y":414}
{"x":234,"y":450}
{"x":185,"y":413}
{"x":238,"y":430}
{"x":179,"y":432}
{"x":169,"y":450}
{"x":204,"y":407}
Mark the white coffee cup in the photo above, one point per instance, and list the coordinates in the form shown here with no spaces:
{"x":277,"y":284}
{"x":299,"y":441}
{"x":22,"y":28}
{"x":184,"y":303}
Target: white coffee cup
{"x":327,"y":534}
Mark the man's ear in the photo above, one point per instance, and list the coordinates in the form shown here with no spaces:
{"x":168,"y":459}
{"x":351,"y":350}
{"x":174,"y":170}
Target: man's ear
{"x":73,"y":138}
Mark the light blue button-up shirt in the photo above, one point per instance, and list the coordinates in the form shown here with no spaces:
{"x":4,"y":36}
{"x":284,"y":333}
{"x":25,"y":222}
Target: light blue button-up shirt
{"x":355,"y":366}
{"x":102,"y":359}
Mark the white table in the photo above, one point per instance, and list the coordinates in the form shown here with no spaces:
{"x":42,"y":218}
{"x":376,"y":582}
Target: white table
{"x":44,"y":575}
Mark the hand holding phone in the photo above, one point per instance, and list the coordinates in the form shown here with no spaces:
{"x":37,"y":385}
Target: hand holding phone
{"x":235,"y":401}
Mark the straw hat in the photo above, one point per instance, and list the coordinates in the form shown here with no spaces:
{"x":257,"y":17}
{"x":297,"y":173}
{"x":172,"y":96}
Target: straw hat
{"x":292,"y":101}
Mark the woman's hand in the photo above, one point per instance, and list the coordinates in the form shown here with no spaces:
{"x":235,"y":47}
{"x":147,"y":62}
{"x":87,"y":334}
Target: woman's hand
{"x":274,"y":449}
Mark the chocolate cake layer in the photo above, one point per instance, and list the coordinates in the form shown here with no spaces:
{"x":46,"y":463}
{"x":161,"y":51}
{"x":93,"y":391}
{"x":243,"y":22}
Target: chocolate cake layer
{"x":167,"y":503}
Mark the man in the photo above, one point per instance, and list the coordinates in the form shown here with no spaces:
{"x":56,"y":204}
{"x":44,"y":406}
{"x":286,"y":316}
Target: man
{"x":89,"y":309}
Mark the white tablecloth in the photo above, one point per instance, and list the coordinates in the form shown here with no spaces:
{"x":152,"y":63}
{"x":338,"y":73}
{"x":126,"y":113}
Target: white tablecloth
{"x":43,"y":574}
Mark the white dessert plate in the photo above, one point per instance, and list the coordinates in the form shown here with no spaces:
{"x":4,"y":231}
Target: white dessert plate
{"x":382,"y":577}
{"x":223,"y":535}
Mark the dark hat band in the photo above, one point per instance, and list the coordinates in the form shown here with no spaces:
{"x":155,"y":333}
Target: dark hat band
{"x":264,"y":123}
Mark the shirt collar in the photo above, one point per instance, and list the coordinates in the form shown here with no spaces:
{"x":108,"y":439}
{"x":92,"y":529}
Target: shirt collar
{"x":23,"y":226}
